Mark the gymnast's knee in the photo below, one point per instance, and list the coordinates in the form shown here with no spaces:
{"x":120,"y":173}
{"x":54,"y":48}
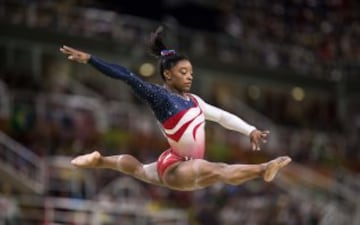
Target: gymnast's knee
{"x":129,"y":163}
{"x":212,"y":172}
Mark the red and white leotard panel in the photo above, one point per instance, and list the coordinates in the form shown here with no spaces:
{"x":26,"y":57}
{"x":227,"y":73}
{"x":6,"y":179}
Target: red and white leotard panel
{"x":185,"y":132}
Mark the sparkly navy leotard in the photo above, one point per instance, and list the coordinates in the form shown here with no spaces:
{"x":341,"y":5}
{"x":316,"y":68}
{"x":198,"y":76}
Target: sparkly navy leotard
{"x":182,"y":119}
{"x":164,"y":103}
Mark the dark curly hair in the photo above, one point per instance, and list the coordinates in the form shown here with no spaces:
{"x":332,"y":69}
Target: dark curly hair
{"x":167,"y":58}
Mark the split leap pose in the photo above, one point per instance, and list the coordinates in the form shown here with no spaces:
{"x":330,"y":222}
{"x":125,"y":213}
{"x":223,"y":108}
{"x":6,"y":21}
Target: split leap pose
{"x":182,"y":116}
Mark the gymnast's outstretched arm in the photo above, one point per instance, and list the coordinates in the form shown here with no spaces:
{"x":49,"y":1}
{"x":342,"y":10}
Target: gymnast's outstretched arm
{"x":233,"y":122}
{"x":144,"y":90}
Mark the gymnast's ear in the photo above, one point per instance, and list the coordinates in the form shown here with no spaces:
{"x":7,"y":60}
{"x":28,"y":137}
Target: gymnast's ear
{"x":167,"y":75}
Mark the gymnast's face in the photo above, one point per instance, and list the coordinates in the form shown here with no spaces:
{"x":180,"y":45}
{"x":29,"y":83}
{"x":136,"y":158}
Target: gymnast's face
{"x":179,"y":78}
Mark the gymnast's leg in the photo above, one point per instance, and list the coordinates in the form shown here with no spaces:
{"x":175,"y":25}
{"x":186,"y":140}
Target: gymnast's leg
{"x":124,"y":163}
{"x":199,"y":173}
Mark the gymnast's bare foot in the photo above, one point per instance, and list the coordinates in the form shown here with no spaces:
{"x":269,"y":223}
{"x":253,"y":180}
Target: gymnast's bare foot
{"x":273,"y":167}
{"x":90,"y":160}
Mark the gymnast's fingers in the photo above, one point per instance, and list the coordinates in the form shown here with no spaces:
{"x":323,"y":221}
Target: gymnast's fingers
{"x":66,"y":51}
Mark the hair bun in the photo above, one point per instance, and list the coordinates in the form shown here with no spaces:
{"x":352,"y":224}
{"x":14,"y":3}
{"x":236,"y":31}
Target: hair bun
{"x":156,"y":44}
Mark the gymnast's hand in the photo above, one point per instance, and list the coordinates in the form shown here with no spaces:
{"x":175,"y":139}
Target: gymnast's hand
{"x":75,"y":55}
{"x":257,"y":137}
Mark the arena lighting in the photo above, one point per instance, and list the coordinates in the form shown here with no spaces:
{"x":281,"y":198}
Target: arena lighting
{"x":147,"y":69}
{"x":254,"y":92}
{"x":298,"y":94}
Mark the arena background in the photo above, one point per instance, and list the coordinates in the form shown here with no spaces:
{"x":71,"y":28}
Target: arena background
{"x":288,"y":66}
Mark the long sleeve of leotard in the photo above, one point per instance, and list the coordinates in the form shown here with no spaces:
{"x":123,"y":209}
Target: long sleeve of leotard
{"x":226,"y":119}
{"x":143,"y":89}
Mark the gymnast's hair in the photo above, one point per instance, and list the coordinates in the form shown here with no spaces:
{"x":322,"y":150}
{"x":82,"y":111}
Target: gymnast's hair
{"x":168,"y":58}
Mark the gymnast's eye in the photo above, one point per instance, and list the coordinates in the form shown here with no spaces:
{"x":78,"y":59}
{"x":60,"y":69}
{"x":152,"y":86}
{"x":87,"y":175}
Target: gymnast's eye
{"x":183,"y":71}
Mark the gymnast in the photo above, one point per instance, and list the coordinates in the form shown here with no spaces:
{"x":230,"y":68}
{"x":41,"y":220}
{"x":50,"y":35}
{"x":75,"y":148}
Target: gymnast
{"x":182,"y":116}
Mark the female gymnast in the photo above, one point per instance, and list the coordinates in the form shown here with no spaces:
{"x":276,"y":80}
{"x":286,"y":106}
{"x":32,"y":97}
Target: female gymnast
{"x":182,"y":116}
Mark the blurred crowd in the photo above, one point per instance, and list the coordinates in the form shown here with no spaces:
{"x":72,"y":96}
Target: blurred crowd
{"x":312,"y":38}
